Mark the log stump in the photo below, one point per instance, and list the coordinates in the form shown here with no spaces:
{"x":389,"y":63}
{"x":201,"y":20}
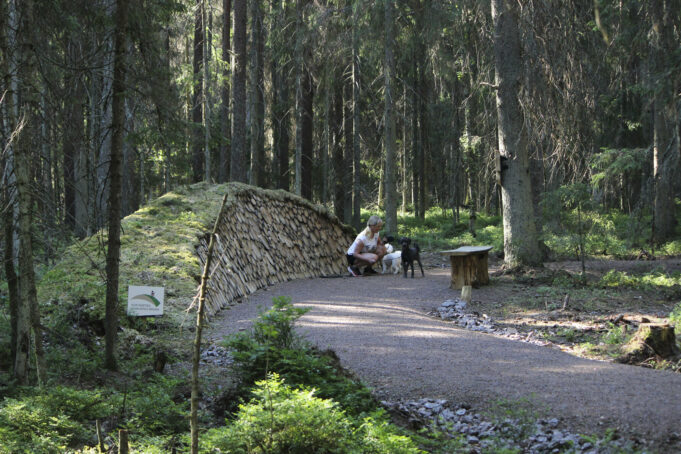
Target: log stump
{"x":652,"y":340}
{"x":469,"y":266}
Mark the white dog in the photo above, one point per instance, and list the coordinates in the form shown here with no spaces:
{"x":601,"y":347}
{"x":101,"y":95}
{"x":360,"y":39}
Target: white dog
{"x":392,"y":260}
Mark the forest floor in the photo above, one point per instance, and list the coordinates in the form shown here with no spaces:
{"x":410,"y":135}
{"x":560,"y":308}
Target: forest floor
{"x":589,"y":321}
{"x":383,"y":328}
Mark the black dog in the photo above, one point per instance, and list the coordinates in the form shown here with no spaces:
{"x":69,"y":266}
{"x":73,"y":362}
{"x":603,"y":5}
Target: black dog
{"x":409,"y":254}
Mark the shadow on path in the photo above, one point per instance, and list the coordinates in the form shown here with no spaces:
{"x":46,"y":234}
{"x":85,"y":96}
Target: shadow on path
{"x":378,"y":328}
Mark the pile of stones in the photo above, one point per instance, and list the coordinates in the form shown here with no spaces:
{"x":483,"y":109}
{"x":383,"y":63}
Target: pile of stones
{"x":537,"y":437}
{"x":216,"y":355}
{"x":455,"y":310}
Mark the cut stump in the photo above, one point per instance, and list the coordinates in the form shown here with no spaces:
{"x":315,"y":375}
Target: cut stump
{"x":469,"y":266}
{"x":651,"y":340}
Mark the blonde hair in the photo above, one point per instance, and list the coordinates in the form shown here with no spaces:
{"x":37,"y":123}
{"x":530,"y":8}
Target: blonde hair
{"x":373,"y":220}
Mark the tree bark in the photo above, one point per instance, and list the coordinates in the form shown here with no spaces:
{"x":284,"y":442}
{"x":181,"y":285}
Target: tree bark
{"x":665,"y":122}
{"x":521,"y":246}
{"x":223,"y":168}
{"x":356,"y":112}
{"x":197,"y":99}
{"x":114,"y":236}
{"x":206,"y":91}
{"x":258,"y":165}
{"x":338,"y":162}
{"x":280,"y":94}
{"x":390,"y":168}
{"x":298,"y":61}
{"x":348,"y":174}
{"x":238,"y":158}
{"x":307,"y":135}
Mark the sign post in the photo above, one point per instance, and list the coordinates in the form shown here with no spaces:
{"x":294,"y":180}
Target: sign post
{"x":145,"y":301}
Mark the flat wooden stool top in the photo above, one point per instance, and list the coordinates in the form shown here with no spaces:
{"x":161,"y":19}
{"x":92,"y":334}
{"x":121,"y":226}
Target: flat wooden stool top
{"x":467,"y":250}
{"x":469,"y":265}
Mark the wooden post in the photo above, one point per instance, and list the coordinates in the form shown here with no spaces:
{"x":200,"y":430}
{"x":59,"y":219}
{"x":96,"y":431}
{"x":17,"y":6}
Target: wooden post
{"x":123,"y":447}
{"x":194,"y":417}
{"x":100,"y":442}
{"x":467,"y":293}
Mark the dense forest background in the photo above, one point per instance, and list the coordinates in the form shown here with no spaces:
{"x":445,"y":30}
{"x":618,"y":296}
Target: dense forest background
{"x":295,"y":95}
{"x":500,"y":107}
{"x":557,"y":119}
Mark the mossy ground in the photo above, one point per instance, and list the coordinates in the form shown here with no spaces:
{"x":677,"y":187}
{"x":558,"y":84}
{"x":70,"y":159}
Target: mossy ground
{"x":157,"y":249}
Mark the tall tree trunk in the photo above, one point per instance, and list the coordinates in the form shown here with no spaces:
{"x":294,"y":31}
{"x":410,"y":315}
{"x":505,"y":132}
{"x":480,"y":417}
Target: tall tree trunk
{"x":81,"y":169}
{"x":404,"y":173}
{"x":238,"y":158}
{"x":326,"y":145}
{"x":27,"y":316}
{"x":298,"y":61}
{"x":197,"y":99}
{"x":356,"y":151}
{"x":347,"y":152}
{"x":455,"y":154}
{"x":521,"y":246}
{"x":338,"y":163}
{"x":665,"y":121}
{"x":390,"y":168}
{"x":113,"y":252}
{"x":69,"y":147}
{"x":415,"y":143}
{"x":102,"y":143}
{"x":7,"y":186}
{"x":307,"y":135}
{"x":223,"y":168}
{"x":206,"y":91}
{"x":280,"y":94}
{"x":257,"y":177}
{"x":129,"y":198}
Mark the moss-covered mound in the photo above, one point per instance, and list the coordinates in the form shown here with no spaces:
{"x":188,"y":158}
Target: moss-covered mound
{"x":160,"y":246}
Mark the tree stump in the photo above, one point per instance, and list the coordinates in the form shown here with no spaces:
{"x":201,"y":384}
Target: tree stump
{"x":651,"y":340}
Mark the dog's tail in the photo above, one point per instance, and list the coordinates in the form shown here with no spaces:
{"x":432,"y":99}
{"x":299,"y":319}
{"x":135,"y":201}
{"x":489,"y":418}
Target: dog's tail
{"x":416,"y":246}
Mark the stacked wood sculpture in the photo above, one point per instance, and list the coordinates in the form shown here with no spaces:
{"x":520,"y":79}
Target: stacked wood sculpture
{"x":265,"y":237}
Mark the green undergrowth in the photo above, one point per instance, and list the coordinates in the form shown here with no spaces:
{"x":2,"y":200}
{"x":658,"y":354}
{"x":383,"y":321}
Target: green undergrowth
{"x":59,"y":419}
{"x":294,"y":398}
{"x":604,"y":233}
{"x":273,"y":347}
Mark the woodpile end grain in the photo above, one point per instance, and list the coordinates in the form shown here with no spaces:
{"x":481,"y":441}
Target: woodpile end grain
{"x":265,"y":237}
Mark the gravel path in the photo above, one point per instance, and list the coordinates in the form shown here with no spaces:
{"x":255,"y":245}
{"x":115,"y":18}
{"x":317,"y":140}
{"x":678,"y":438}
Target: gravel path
{"x":379,"y":328}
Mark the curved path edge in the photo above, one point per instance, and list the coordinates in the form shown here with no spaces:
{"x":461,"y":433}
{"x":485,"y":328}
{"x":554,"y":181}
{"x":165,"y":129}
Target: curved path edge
{"x":379,"y":328}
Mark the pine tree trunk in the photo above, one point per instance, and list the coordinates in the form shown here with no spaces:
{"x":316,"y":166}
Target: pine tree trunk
{"x":239,"y":153}
{"x":223,"y":167}
{"x":280,"y":112}
{"x":356,"y":151}
{"x":307,"y":135}
{"x":206,"y":92}
{"x":326,"y":147}
{"x":27,"y":314}
{"x":102,"y":142}
{"x":521,"y":246}
{"x":257,"y":103}
{"x":390,"y":168}
{"x":298,"y":60}
{"x":338,"y":162}
{"x":197,"y":97}
{"x":114,"y":235}
{"x":665,"y":122}
{"x":347,"y":152}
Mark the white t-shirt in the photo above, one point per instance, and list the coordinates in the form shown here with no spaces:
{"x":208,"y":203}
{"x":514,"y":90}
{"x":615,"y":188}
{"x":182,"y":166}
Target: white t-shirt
{"x":369,"y":243}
